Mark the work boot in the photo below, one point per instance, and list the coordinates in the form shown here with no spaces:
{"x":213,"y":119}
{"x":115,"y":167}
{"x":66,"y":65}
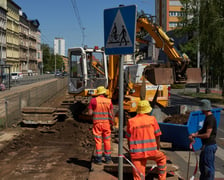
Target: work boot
{"x":98,"y":160}
{"x":108,"y":160}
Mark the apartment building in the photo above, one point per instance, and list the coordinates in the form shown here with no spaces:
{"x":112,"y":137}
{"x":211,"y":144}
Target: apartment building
{"x":168,"y":13}
{"x":59,"y":46}
{"x":12,"y":36}
{"x":39,"y":53}
{"x":32,"y":59}
{"x":20,"y":40}
{"x":2,"y":35}
{"x":24,"y":42}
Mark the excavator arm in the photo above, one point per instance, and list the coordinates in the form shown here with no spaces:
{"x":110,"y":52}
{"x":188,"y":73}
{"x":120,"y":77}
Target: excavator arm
{"x":180,"y":72}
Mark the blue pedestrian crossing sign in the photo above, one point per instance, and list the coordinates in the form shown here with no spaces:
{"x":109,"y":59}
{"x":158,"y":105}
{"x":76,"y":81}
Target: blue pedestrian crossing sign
{"x":120,"y":30}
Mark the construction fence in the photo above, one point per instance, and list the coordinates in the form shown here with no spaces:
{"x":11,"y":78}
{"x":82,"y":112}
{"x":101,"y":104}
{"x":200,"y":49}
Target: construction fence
{"x":11,"y":105}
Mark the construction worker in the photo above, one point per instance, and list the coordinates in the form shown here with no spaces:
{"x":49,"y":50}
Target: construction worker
{"x":101,"y":109}
{"x":208,"y":136}
{"x":143,"y":135}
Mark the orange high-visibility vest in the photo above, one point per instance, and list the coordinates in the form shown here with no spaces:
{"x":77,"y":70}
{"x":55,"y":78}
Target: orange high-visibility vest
{"x":142,"y":131}
{"x":102,"y":113}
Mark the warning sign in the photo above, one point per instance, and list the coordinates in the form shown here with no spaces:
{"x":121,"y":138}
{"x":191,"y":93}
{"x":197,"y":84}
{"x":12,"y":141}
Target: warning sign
{"x":118,"y":35}
{"x":119,"y":30}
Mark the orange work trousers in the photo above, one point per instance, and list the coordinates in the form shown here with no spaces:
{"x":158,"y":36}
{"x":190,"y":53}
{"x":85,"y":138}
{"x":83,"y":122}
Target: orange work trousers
{"x":140,"y":164}
{"x":102,"y":131}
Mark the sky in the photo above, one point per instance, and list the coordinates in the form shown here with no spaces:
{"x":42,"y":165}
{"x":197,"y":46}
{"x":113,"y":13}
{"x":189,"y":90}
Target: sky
{"x":58,"y":18}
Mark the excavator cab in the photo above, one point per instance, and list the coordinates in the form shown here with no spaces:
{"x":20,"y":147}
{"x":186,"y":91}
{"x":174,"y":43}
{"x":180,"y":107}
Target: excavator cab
{"x":88,"y":70}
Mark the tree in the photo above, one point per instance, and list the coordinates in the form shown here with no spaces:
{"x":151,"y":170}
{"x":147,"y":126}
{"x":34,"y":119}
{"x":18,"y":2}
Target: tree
{"x":211,"y":38}
{"x":209,"y":33}
{"x":188,"y":27}
{"x":46,"y":57}
{"x":49,"y":59}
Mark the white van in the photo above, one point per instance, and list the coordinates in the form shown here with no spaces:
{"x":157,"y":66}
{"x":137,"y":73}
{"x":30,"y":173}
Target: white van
{"x":17,"y":75}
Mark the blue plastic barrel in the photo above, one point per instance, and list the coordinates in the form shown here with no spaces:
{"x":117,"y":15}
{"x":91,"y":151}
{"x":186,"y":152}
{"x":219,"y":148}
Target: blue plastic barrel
{"x":177,"y":134}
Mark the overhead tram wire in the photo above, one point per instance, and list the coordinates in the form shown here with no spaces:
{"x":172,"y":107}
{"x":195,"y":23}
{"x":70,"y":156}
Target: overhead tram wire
{"x":76,"y":11}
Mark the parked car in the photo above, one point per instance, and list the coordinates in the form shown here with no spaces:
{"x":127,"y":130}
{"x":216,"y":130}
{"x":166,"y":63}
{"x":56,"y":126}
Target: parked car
{"x":16,"y":75}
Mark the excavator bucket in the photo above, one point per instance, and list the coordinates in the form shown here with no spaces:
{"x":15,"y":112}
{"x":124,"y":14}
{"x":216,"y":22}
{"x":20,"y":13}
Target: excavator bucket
{"x":193,"y":75}
{"x":159,"y":75}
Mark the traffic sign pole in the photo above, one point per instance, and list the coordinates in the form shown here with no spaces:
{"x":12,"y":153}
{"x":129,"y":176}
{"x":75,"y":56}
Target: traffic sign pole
{"x":121,"y":98}
{"x":119,"y":38}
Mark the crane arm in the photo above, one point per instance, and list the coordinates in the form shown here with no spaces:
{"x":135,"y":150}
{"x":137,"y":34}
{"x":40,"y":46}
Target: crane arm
{"x":181,"y":72}
{"x":161,"y":39}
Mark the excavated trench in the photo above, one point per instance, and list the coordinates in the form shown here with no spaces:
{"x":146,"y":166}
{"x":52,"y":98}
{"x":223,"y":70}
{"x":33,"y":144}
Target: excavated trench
{"x":59,"y":151}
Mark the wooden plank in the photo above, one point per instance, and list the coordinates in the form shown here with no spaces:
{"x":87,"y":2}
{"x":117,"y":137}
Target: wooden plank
{"x":61,"y":110}
{"x":37,"y":115}
{"x":38,"y":110}
{"x":39,"y":118}
{"x":50,"y":122}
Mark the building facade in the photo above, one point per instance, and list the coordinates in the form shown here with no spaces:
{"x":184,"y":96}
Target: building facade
{"x":32,"y":59}
{"x":20,"y":40}
{"x":12,"y":36}
{"x":2,"y":35}
{"x":24,"y":42}
{"x":59,"y":46}
{"x":65,"y":61}
{"x":168,"y":13}
{"x":39,"y":53}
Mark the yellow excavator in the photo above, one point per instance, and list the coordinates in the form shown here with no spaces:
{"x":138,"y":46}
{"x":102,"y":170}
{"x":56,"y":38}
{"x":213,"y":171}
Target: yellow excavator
{"x":180,"y":71}
{"x":90,"y":68}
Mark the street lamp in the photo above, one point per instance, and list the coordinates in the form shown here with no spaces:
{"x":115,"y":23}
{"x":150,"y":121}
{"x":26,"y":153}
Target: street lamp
{"x":55,"y":64}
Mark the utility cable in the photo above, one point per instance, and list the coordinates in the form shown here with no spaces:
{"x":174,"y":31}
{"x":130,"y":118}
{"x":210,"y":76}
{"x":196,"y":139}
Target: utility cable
{"x":76,"y":11}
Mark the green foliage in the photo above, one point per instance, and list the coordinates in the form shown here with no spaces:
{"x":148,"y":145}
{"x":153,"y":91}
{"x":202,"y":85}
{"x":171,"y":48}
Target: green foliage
{"x":207,"y":27}
{"x":188,"y":27}
{"x":212,"y":36}
{"x":49,"y":59}
{"x":177,"y":86}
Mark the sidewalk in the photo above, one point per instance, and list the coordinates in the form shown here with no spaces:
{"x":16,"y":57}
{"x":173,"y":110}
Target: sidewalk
{"x":21,"y":88}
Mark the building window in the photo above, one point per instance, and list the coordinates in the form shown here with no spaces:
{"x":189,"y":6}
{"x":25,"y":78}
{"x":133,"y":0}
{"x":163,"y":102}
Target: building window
{"x":175,"y":24}
{"x":175,"y":3}
{"x":172,"y":24}
{"x":175,"y":13}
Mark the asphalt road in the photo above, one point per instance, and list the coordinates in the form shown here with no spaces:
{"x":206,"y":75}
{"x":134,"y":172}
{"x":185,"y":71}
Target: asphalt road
{"x":181,"y":158}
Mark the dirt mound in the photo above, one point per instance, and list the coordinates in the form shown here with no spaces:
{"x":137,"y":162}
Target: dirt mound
{"x":177,"y":119}
{"x":61,"y":151}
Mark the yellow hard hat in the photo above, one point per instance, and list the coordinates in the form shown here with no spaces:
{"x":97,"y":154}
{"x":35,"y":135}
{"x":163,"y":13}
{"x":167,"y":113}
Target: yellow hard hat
{"x":101,"y":90}
{"x":144,"y":107}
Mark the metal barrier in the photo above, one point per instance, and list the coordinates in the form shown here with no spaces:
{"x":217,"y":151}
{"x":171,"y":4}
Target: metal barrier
{"x":10,"y":106}
{"x":27,"y":80}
